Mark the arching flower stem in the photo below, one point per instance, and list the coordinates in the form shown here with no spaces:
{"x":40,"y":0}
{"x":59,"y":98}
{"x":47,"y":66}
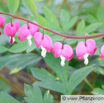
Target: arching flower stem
{"x":63,"y":35}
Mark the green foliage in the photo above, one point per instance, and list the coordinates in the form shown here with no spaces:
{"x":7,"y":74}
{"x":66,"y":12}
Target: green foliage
{"x":6,"y":98}
{"x":92,"y":27}
{"x":19,"y":61}
{"x":20,"y":47}
{"x":31,"y":48}
{"x":100,"y":14}
{"x":43,"y":22}
{"x":66,"y":86}
{"x":4,"y":87}
{"x":52,"y":20}
{"x":13,"y":5}
{"x":80,"y":28}
{"x":35,"y":96}
{"x":76,"y":79}
{"x":31,"y":7}
{"x":48,"y":98}
{"x":58,"y":16}
{"x":98,"y":91}
{"x":72,"y":22}
{"x":64,"y":19}
{"x":3,"y":49}
{"x":99,"y":70}
{"x":45,"y":77}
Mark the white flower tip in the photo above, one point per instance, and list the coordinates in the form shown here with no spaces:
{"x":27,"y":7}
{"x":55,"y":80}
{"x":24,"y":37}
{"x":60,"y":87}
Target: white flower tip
{"x":29,"y":40}
{"x":62,"y":64}
{"x":13,"y":39}
{"x":43,"y":52}
{"x":86,"y":62}
{"x":62,"y":61}
{"x":29,"y":43}
{"x":86,"y":59}
{"x":43,"y":55}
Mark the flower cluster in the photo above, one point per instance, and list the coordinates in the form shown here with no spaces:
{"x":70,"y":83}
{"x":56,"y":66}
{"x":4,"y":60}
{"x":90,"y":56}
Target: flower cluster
{"x":64,"y":51}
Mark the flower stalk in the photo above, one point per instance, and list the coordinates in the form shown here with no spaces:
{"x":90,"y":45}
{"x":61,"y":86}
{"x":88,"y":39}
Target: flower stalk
{"x":63,"y":35}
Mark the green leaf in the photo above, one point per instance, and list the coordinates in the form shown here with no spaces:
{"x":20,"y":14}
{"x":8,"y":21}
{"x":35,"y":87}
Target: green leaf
{"x":34,"y":94}
{"x":31,"y":48}
{"x":56,"y":38}
{"x":22,"y":61}
{"x":43,"y":22}
{"x":52,"y":20}
{"x":71,"y":41}
{"x":92,"y":27}
{"x":19,"y":61}
{"x":54,"y":85}
{"x":4,"y":87}
{"x":3,"y":49}
{"x":98,"y":91}
{"x":31,"y":7}
{"x":42,"y":74}
{"x":62,"y":72}
{"x":100,"y":14}
{"x":6,"y":98}
{"x":80,"y":28}
{"x":77,"y":76}
{"x":99,"y":70}
{"x":13,"y":5}
{"x":72,"y":22}
{"x":17,"y":48}
{"x":91,"y":18}
{"x":48,"y":98}
{"x":48,"y":80}
{"x":64,"y":19}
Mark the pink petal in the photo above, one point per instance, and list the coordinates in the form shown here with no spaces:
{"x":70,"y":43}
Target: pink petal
{"x":57,"y":49}
{"x":67,"y":52}
{"x":38,"y":30}
{"x":16,"y":24}
{"x":101,"y":56}
{"x":2,"y":21}
{"x":23,"y":33}
{"x":102,"y":50}
{"x":81,"y":50}
{"x":90,"y":44}
{"x":38,"y":38}
{"x":33,"y":28}
{"x":47,"y":43}
{"x":9,"y":30}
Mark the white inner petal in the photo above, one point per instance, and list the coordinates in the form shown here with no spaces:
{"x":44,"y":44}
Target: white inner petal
{"x":29,"y":40}
{"x":43,"y":52}
{"x":13,"y":39}
{"x":62,"y":60}
{"x":86,"y":61}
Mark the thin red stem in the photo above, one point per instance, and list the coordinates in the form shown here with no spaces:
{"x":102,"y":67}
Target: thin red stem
{"x":67,"y":36}
{"x":43,"y":34}
{"x":11,"y":21}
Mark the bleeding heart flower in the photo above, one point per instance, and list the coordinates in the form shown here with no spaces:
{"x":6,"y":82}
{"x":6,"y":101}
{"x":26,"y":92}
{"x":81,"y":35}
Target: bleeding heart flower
{"x":85,"y":49}
{"x":27,"y":31}
{"x":2,"y":21}
{"x":11,"y":29}
{"x":102,"y":52}
{"x":62,"y":51}
{"x":43,"y":41}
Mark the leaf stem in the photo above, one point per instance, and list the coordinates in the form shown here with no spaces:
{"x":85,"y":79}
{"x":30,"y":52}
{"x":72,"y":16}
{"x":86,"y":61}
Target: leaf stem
{"x":86,"y":80}
{"x":67,"y":36}
{"x":13,"y":86}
